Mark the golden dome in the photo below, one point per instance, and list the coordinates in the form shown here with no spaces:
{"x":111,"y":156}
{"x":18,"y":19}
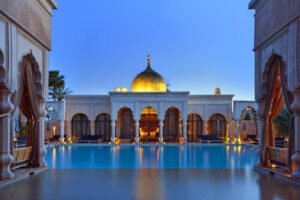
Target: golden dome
{"x":217,"y":91}
{"x":149,"y":81}
{"x":117,"y":89}
{"x":124,"y":89}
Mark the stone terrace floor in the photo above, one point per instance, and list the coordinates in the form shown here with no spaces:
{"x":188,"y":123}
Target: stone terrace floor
{"x":150,"y":184}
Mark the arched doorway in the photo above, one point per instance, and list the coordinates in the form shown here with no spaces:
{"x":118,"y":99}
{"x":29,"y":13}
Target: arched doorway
{"x":149,"y":125}
{"x":248,"y":124}
{"x":217,"y":126}
{"x":125,"y":124}
{"x":194,"y":127}
{"x":103,"y":126}
{"x":171,"y":130}
{"x":80,"y":126}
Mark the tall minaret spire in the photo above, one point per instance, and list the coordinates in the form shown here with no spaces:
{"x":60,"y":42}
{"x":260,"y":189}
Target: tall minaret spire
{"x":148,"y":61}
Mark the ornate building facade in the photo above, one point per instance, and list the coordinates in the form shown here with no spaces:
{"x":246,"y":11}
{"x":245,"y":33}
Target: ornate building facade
{"x":149,"y":113}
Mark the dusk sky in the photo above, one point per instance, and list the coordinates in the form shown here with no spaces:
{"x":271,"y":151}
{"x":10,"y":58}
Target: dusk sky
{"x":195,"y":45}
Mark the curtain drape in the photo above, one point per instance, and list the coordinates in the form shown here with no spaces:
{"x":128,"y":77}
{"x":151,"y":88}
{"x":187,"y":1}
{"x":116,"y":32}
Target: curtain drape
{"x":266,"y":107}
{"x":288,"y":99}
{"x":277,"y":96}
{"x":28,"y":101}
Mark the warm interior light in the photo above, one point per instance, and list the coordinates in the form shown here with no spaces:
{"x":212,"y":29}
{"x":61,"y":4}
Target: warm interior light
{"x":117,"y":140}
{"x":181,"y":140}
{"x":54,"y":129}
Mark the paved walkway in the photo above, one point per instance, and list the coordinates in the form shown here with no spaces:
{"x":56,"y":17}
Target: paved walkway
{"x":150,"y":184}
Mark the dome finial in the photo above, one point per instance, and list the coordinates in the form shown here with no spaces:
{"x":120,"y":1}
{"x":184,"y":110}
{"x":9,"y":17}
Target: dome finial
{"x":148,"y":61}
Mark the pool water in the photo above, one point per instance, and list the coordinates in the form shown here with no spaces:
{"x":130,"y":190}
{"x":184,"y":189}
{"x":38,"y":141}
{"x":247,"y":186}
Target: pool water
{"x":151,"y":157}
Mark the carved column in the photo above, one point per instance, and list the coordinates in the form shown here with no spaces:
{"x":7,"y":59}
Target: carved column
{"x":62,"y":130}
{"x":227,"y":130}
{"x":237,"y":130}
{"x":296,"y":110}
{"x":137,"y":131}
{"x":92,"y":126}
{"x":113,"y":131}
{"x":205,"y":128}
{"x":5,"y":119}
{"x":262,"y":138}
{"x":68,"y":125}
{"x":13,"y":129}
{"x":43,"y":151}
{"x":161,"y":128}
{"x":184,"y":124}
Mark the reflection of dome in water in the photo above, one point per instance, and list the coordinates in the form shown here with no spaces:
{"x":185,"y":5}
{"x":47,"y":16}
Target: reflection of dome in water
{"x":148,"y":81}
{"x":217,"y":91}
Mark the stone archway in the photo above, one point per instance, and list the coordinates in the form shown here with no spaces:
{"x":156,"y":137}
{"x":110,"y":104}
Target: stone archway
{"x":149,"y":125}
{"x":217,"y":125}
{"x":125,"y":125}
{"x":80,"y":126}
{"x":274,"y":95}
{"x":103,"y":126}
{"x":194,"y":127}
{"x":248,"y":124}
{"x":172,"y":125}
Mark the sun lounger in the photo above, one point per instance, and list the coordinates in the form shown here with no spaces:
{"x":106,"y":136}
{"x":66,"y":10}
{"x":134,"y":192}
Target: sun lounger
{"x":21,"y":157}
{"x":278,"y":156}
{"x":210,"y":139}
{"x":89,"y":139}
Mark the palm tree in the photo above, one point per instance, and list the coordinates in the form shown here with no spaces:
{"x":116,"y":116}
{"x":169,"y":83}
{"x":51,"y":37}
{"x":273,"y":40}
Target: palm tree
{"x":57,"y":86}
{"x":62,"y":92}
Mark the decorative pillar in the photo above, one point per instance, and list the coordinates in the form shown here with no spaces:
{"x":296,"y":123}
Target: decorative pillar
{"x":137,"y":131}
{"x":43,"y":151}
{"x":184,"y":124}
{"x":161,"y":129}
{"x":62,"y":130}
{"x":262,"y":140}
{"x":92,"y":126}
{"x":113,"y":131}
{"x":296,"y":110}
{"x":227,"y":130}
{"x":68,"y":126}
{"x":237,"y":130}
{"x":13,"y":129}
{"x":205,"y":128}
{"x":5,"y":121}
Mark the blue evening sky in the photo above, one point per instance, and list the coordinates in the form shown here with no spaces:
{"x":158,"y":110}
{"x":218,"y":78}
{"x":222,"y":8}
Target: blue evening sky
{"x":196,"y":45}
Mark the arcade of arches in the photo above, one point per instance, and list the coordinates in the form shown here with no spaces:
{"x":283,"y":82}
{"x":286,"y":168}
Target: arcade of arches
{"x":149,"y":128}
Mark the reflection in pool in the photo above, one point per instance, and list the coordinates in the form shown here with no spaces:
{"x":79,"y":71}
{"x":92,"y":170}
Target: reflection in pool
{"x":133,"y":157}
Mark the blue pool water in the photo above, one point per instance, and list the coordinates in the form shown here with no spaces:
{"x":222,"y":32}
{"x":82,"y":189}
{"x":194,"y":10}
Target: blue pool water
{"x":165,"y":157}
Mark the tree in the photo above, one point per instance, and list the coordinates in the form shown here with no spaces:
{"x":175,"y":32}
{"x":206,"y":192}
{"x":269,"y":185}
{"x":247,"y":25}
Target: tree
{"x":57,"y":89}
{"x":62,"y":92}
{"x":282,"y":123}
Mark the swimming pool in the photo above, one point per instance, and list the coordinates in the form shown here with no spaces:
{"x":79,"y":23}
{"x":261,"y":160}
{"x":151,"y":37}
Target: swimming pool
{"x":151,"y":157}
